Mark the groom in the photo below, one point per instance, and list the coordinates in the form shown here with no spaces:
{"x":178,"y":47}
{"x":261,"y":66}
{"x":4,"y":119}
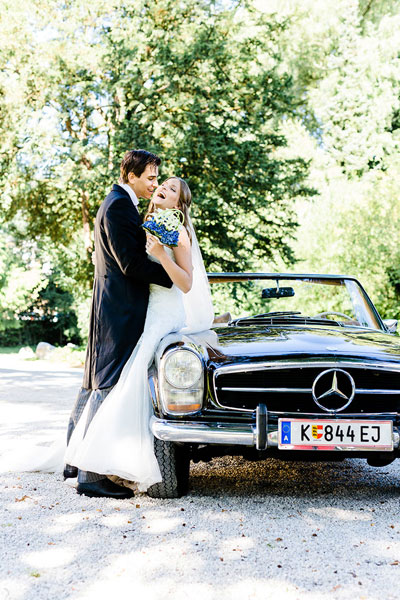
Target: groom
{"x":120,"y":297}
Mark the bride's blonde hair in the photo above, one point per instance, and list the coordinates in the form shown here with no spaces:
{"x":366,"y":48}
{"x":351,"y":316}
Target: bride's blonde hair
{"x":184,"y":202}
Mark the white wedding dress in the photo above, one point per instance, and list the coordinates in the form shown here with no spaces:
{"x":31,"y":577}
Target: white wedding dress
{"x":118,"y":440}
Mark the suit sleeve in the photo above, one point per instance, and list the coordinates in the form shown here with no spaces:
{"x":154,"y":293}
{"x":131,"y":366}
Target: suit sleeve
{"x":125,"y":240}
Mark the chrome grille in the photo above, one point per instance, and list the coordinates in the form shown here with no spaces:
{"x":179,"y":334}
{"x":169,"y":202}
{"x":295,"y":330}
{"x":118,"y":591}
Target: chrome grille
{"x":286,"y":388}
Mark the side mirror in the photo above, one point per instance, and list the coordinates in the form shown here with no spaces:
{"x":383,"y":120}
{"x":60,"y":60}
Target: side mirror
{"x":391,"y":325}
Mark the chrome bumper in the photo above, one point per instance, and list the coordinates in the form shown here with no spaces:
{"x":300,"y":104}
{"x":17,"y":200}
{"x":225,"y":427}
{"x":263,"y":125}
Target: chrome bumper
{"x":235,"y":434}
{"x":241,"y":434}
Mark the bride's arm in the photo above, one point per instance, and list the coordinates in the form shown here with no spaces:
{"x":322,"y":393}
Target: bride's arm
{"x":181,"y":271}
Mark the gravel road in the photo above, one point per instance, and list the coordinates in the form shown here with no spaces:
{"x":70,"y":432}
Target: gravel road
{"x":245,"y":531}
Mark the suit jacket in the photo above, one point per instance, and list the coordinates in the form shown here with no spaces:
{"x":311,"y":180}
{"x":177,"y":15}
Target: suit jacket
{"x":121,"y":289}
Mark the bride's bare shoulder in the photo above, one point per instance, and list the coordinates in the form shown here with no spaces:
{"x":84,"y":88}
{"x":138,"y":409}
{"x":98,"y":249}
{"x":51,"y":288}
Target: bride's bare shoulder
{"x":184,"y":240}
{"x":183,"y":251}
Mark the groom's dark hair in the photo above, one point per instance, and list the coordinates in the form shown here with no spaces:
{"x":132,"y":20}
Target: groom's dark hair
{"x":136,"y":161}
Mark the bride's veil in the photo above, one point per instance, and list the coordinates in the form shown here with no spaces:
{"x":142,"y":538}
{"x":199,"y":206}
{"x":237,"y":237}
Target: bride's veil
{"x":199,"y":310}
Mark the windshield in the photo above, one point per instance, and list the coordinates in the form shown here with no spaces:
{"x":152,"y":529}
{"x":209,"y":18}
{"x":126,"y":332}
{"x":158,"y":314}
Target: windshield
{"x":339,"y":302}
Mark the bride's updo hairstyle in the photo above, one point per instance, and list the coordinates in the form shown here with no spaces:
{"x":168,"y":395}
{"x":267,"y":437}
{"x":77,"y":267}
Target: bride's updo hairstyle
{"x":184,"y":202}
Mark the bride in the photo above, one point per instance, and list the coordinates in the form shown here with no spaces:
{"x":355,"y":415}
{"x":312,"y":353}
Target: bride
{"x":118,"y":440}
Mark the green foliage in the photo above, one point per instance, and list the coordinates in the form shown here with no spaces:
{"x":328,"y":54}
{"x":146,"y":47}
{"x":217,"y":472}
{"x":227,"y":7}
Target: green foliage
{"x":33,"y":306}
{"x":210,"y":101}
{"x":344,"y":60}
{"x":242,"y":99}
{"x":355,"y":231}
{"x":51,"y":317}
{"x":19,"y":286}
{"x":186,"y":80}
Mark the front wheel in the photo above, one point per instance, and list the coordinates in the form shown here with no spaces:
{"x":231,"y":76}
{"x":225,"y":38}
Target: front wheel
{"x":174,"y":463}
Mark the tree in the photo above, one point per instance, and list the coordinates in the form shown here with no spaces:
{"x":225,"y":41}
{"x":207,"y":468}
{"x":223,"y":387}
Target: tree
{"x":350,"y":108}
{"x":33,"y":306}
{"x":210,"y":100}
{"x":185,"y":80}
{"x":19,"y":287}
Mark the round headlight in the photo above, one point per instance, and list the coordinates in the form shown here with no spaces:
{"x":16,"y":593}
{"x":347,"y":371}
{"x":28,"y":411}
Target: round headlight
{"x":183,"y":369}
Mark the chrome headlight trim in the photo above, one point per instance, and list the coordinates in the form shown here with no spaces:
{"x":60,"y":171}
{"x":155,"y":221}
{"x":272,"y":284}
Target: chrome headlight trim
{"x":172,"y":353}
{"x":194,"y":393}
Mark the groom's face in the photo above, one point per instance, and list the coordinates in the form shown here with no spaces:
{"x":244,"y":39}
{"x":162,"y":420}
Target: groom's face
{"x":144,"y":185}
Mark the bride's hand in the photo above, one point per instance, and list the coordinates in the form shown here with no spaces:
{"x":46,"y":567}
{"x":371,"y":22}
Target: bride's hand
{"x":154,"y":246}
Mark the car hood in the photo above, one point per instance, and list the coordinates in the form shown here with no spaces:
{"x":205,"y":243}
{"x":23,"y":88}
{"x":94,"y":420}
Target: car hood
{"x":233,"y":344}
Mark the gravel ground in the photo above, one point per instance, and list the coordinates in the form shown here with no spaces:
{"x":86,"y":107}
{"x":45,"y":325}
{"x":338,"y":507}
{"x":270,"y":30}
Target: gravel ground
{"x":245,"y":531}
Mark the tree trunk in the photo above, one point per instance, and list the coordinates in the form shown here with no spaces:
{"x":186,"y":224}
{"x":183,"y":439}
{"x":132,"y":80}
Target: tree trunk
{"x":86,"y":222}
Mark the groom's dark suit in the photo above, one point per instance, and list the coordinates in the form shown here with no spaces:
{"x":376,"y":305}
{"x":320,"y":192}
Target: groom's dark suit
{"x":121,"y":289}
{"x":119,"y":303}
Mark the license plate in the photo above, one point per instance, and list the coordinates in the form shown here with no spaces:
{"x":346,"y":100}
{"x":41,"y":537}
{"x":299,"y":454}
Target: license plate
{"x":346,"y":434}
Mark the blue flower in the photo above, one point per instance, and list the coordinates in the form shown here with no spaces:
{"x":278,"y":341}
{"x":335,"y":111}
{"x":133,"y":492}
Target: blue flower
{"x":165,"y":232}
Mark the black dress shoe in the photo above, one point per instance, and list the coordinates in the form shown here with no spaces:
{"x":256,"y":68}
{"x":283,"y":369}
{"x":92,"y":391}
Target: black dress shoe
{"x":70,"y":472}
{"x":104,"y":488}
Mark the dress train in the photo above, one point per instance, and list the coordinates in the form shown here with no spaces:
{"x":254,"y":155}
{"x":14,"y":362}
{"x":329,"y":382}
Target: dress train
{"x":30,"y":457}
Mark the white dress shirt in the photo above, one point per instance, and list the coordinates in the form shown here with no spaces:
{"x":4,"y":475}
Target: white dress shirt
{"x":131,"y":193}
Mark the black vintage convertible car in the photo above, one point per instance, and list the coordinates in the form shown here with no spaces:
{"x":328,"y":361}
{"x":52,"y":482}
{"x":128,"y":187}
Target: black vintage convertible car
{"x":301,"y":367}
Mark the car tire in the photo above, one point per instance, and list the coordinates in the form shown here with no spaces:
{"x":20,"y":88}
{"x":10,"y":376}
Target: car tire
{"x":174,"y":463}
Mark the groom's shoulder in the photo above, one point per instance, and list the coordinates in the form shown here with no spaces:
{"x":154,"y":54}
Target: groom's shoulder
{"x":117,"y":193}
{"x":118,"y":207}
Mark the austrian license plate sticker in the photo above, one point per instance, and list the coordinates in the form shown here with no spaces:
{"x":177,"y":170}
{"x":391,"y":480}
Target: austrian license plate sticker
{"x":343,"y":434}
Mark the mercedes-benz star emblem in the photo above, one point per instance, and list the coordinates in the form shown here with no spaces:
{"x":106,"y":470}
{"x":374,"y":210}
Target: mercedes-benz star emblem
{"x":333,"y":390}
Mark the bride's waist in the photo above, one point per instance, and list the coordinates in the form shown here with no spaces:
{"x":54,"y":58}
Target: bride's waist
{"x":165,"y":300}
{"x":161,"y":290}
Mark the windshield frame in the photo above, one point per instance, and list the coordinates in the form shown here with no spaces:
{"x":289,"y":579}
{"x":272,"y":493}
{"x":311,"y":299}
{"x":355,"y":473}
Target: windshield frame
{"x":348,"y":281}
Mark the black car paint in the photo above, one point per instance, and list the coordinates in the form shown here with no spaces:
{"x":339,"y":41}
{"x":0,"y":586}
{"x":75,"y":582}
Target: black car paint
{"x":255,"y":342}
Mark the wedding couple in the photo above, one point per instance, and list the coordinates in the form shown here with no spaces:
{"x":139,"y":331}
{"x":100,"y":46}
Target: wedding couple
{"x":142,"y":291}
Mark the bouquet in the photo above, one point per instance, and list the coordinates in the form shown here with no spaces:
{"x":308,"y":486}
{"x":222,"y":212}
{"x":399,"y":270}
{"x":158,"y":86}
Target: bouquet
{"x":165,"y":224}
